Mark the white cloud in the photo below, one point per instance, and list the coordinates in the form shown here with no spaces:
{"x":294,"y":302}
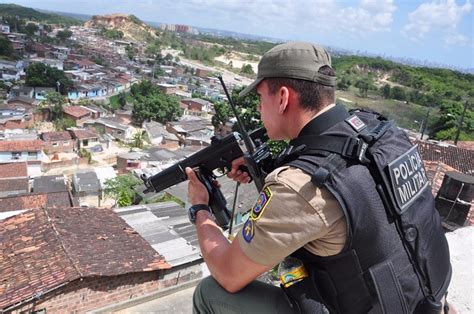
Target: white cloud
{"x":273,"y":16}
{"x":442,"y":17}
{"x":458,"y":40}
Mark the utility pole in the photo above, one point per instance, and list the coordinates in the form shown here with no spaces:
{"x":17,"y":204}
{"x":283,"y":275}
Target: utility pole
{"x":461,"y":120}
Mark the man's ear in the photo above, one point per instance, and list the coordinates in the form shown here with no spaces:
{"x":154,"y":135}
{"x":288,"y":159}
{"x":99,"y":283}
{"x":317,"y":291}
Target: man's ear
{"x":284,"y":94}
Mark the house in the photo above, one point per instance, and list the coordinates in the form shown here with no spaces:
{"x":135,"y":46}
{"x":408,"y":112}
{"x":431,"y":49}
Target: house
{"x":13,"y":179}
{"x":77,"y":259}
{"x":88,"y":91}
{"x":5,"y":28}
{"x":86,"y":187}
{"x":203,"y":72}
{"x":41,"y":93}
{"x":14,"y":205}
{"x":10,"y":75}
{"x":58,"y":142}
{"x":23,"y":91}
{"x":192,"y":130}
{"x":158,"y":135}
{"x":111,"y":126}
{"x":77,"y":113}
{"x":97,"y":111}
{"x":19,"y":118}
{"x":129,"y":161}
{"x":30,"y":151}
{"x":85,"y":138}
{"x":49,"y":184}
{"x":167,"y":89}
{"x":125,"y":115}
{"x":197,"y":106}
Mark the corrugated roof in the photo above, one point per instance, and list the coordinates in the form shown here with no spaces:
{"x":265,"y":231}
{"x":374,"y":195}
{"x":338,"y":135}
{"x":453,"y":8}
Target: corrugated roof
{"x":166,"y":227}
{"x":44,"y":248}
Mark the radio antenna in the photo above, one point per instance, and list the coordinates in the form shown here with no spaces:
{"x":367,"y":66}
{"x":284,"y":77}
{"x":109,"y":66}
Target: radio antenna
{"x":243,"y":132}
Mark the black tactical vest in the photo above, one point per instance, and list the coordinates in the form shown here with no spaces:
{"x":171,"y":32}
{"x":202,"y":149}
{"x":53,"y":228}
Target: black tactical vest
{"x":396,"y":257}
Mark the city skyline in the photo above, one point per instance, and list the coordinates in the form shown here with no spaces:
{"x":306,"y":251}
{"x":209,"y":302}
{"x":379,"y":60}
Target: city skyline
{"x":438,"y":32}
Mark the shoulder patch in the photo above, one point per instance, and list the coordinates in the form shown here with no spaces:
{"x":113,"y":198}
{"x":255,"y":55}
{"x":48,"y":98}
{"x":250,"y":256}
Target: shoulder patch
{"x":356,"y":123}
{"x":248,"y":230}
{"x":408,"y":178}
{"x":261,"y":204}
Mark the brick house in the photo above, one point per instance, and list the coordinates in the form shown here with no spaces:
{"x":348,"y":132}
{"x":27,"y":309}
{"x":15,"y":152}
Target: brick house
{"x":84,"y":138}
{"x":75,"y":260}
{"x":16,"y":118}
{"x":196,"y":106}
{"x":58,"y":142}
{"x":77,"y":113}
{"x":202,"y":72}
{"x":168,"y":89}
{"x":13,"y":179}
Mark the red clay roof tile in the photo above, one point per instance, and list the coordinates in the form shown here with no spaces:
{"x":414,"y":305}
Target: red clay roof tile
{"x":64,"y":244}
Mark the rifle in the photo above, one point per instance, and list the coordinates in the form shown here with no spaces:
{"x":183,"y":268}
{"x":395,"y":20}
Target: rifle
{"x":219,"y":156}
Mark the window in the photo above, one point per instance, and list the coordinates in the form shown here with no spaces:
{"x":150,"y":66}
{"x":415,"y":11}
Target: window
{"x":16,"y":155}
{"x":32,"y":155}
{"x":66,"y":143}
{"x":55,"y":144}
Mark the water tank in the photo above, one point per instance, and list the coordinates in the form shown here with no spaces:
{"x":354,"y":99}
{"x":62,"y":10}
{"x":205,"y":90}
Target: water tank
{"x":454,"y":197}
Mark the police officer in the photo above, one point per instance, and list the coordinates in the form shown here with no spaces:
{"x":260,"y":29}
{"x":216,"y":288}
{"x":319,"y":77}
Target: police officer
{"x":326,"y":211}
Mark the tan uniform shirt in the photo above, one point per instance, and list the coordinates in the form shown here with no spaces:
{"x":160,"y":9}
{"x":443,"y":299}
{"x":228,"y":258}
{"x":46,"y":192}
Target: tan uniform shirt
{"x":291,"y":212}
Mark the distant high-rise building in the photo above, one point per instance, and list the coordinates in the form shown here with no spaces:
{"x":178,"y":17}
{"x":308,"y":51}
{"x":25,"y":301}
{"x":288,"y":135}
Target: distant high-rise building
{"x":179,"y":28}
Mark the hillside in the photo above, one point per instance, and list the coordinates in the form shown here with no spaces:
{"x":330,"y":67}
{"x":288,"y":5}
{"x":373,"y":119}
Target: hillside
{"x":15,"y":12}
{"x":132,"y":28}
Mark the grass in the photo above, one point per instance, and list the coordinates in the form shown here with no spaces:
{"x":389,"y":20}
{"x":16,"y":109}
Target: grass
{"x":405,"y":114}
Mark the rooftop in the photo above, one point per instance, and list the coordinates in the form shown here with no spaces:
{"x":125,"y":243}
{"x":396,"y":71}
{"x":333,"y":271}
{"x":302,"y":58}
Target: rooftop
{"x":21,"y":146}
{"x":40,"y":250}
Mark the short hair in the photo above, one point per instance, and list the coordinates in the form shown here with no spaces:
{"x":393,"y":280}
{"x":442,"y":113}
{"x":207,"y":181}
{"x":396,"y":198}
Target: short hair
{"x":313,"y":96}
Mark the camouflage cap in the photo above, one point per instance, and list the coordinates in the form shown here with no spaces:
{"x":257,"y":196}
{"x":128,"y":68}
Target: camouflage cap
{"x":298,"y":60}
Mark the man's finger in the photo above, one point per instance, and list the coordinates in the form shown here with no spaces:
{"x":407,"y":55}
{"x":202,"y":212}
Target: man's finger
{"x":190,"y":173}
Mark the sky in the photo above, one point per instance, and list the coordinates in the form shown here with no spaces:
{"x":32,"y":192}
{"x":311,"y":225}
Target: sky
{"x":440,"y":31}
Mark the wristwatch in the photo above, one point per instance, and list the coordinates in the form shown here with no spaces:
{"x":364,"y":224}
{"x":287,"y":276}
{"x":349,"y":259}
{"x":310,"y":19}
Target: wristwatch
{"x":194,"y":209}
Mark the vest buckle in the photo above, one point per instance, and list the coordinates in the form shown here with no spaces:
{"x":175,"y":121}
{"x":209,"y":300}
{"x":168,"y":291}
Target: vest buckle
{"x":356,"y":148}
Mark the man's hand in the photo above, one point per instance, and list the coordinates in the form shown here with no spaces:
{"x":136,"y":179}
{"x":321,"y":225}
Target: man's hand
{"x":236,"y":174}
{"x":197,"y":192}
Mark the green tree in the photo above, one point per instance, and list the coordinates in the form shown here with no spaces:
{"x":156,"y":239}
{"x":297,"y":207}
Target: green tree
{"x":149,"y":103}
{"x":343,"y":83}
{"x":64,"y":124}
{"x":398,"y":93}
{"x":55,"y":101}
{"x":6,"y":47}
{"x":41,"y":75}
{"x":121,"y":189}
{"x":31,"y":28}
{"x":64,"y":34}
{"x":386,"y":91}
{"x":247,"y":69}
{"x":447,"y":124}
{"x":363,"y":86}
{"x":138,"y":139}
{"x":122,"y":100}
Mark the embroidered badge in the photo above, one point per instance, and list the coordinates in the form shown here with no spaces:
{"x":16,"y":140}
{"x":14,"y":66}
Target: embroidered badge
{"x":248,"y":230}
{"x":356,"y":123}
{"x":262,"y":201}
